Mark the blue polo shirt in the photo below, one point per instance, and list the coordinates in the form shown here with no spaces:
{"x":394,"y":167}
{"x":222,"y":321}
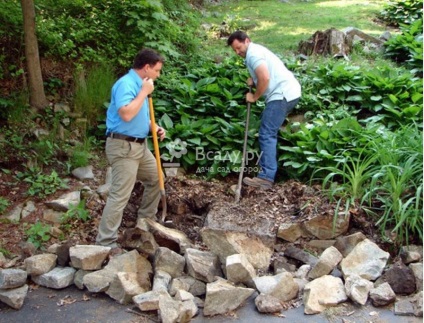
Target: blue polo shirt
{"x":123,"y":92}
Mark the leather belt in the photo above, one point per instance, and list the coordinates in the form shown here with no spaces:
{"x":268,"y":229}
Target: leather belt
{"x":124,"y":137}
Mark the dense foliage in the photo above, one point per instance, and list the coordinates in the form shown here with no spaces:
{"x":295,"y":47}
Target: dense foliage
{"x":402,"y":12}
{"x":98,"y":31}
{"x":407,"y":48}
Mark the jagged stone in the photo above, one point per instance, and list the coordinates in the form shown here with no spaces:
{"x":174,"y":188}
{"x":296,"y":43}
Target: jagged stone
{"x":88,"y":257}
{"x":14,"y":297}
{"x":290,"y":231}
{"x":418,"y":304}
{"x":401,"y":278}
{"x":357,"y":289}
{"x":382,"y":295}
{"x":222,"y":297}
{"x":12,"y":278}
{"x":328,"y":260}
{"x":64,"y":203}
{"x":417,"y":269}
{"x":98,"y":281}
{"x":268,"y":304}
{"x":323,"y":292}
{"x":40,"y":264}
{"x":161,"y":280}
{"x":404,"y":306}
{"x":170,"y":238}
{"x":411,"y":253}
{"x":169,"y":309}
{"x":82,"y":173}
{"x":148,"y":301}
{"x":225,"y":236}
{"x":124,"y":287}
{"x":346,"y":244}
{"x":133,"y":262}
{"x":189,"y":284}
{"x":281,"y":286}
{"x":182,"y":295}
{"x":79,"y":277}
{"x":58,"y":278}
{"x":366,"y":260}
{"x":324,"y":227}
{"x":239,"y":270}
{"x":189,"y":307}
{"x":188,"y":311}
{"x":141,"y":240}
{"x":180,"y":283}
{"x":202,"y":265}
{"x":169,"y":261}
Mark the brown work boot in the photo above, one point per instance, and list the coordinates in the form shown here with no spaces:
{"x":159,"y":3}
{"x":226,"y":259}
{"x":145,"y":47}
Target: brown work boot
{"x":261,"y":183}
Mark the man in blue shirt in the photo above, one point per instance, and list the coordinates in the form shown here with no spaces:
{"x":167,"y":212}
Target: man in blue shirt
{"x":281,"y":91}
{"x":128,"y":124}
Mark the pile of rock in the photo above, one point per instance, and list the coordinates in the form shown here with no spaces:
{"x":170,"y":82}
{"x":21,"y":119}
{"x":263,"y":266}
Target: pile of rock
{"x":176,"y":284}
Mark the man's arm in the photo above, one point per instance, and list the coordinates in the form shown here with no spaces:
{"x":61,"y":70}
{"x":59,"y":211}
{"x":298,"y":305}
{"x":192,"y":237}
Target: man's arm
{"x":262,"y":75}
{"x":130,"y":110}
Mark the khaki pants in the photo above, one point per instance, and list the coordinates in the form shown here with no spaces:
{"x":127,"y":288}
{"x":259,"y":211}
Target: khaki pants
{"x":130,"y":161}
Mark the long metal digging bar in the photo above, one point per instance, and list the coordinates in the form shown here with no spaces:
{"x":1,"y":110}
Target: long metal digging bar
{"x":243,"y":158}
{"x":157,"y":156}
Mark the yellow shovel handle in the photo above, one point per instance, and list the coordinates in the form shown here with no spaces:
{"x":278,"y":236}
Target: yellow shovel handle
{"x":155,"y":143}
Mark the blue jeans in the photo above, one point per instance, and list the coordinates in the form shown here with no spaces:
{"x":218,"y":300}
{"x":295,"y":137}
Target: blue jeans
{"x":272,"y":118}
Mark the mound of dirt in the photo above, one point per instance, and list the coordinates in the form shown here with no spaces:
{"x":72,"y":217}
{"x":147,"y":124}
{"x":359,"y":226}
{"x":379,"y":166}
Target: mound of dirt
{"x":188,"y":203}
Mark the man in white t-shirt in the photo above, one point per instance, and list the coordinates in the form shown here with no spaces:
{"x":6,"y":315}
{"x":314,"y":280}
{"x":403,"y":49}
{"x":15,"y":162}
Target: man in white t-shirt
{"x":281,"y":91}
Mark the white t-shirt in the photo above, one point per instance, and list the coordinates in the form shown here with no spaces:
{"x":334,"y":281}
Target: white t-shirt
{"x":282,"y":83}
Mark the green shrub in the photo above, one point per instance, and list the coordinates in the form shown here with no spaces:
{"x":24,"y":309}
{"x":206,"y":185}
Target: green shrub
{"x":42,"y":185}
{"x":393,"y":95}
{"x":76,"y":212}
{"x":113,"y":31}
{"x":407,"y":48}
{"x":38,"y":233}
{"x":402,"y":12}
{"x":395,"y":196}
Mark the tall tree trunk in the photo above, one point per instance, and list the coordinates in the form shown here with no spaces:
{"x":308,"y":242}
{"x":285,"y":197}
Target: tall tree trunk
{"x":37,"y":97}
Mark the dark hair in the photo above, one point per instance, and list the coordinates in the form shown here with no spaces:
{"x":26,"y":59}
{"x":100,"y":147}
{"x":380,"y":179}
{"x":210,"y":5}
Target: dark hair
{"x":239,"y":35}
{"x":147,"y":56}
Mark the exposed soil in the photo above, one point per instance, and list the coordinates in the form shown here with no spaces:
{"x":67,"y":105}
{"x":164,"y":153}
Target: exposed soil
{"x":188,"y":201}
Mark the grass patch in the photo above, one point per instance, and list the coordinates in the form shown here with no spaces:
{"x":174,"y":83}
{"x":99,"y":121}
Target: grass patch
{"x":281,"y":26}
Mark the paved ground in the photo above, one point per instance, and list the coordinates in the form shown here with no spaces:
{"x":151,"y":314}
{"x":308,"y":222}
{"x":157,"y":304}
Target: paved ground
{"x":44,"y":305}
